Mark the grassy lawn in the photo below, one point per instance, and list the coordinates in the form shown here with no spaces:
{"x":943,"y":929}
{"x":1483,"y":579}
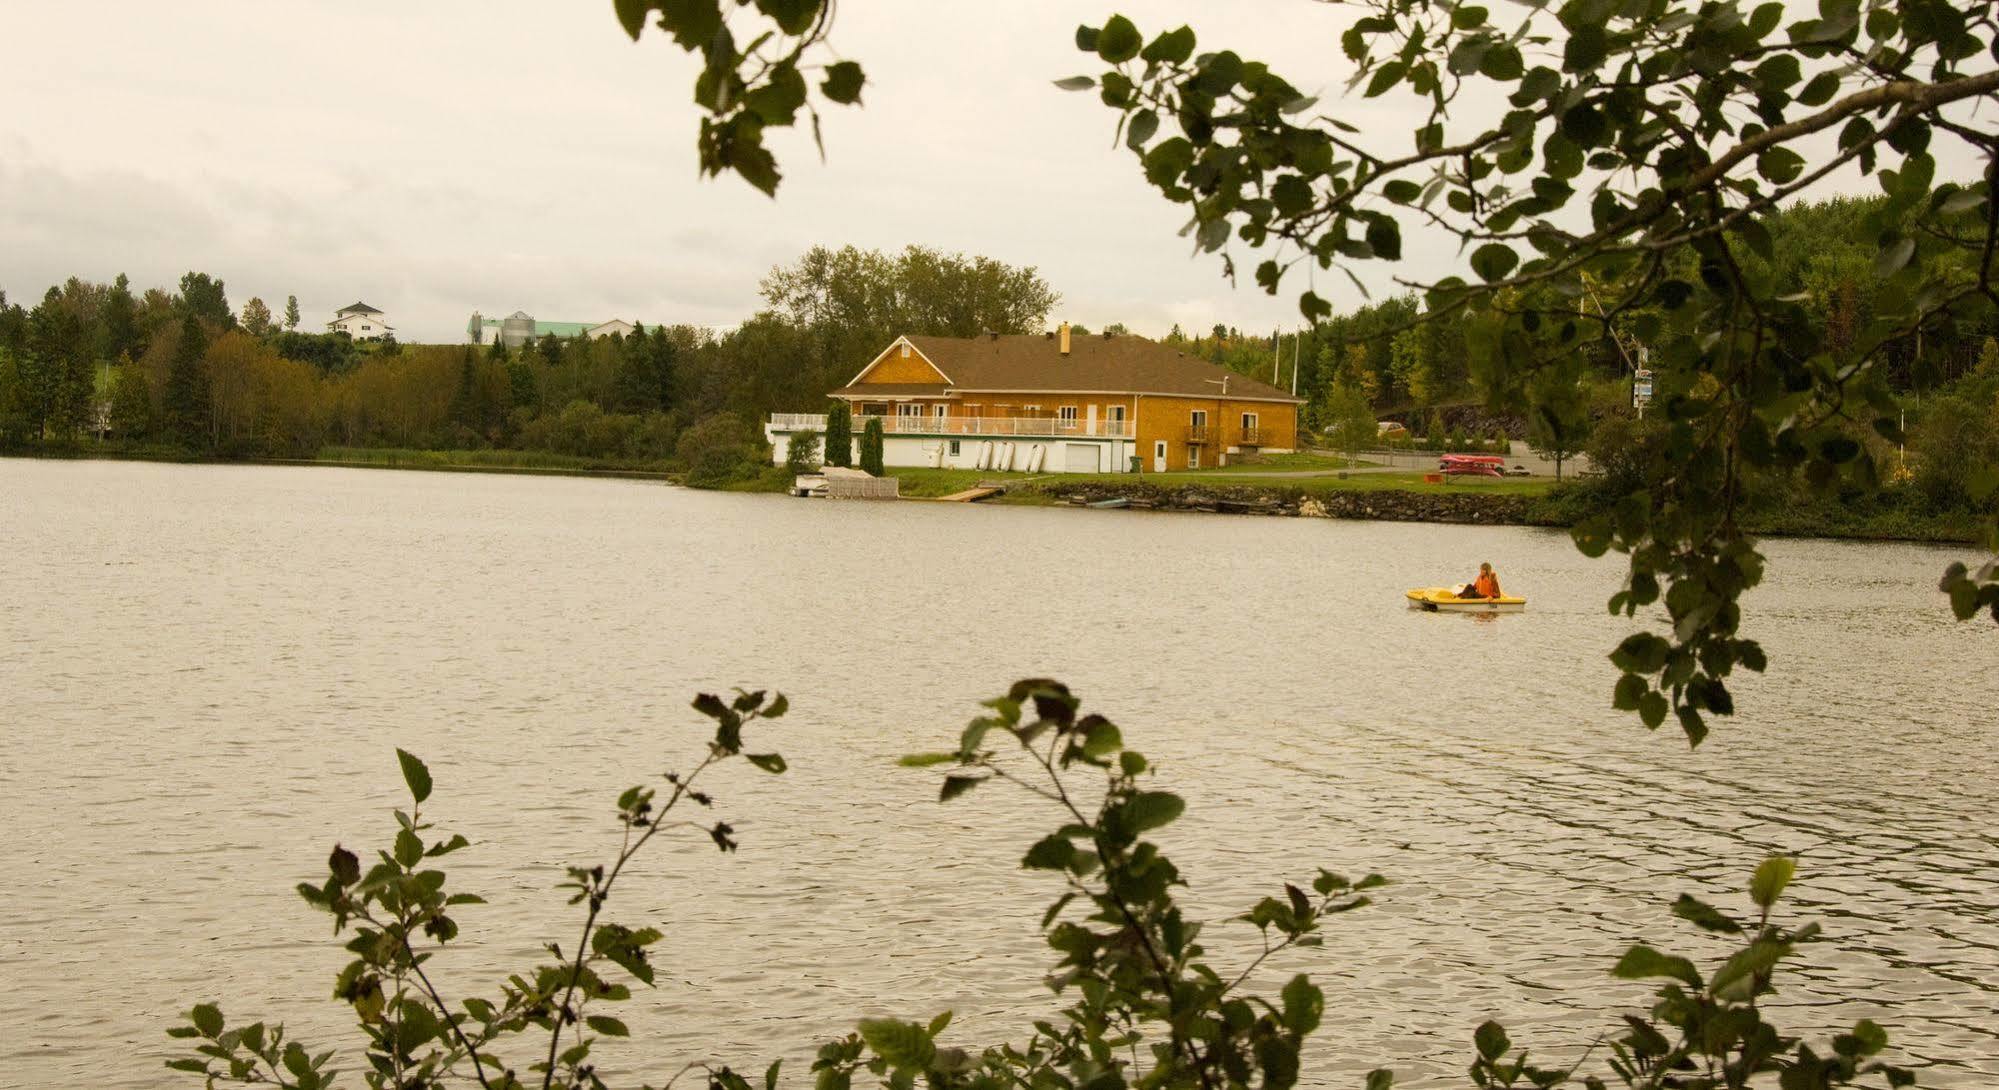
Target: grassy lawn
{"x":480,"y":459}
{"x":931,"y":483}
{"x":1288,"y":463}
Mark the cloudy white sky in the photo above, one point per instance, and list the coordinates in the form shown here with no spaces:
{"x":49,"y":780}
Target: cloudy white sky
{"x":439,"y":157}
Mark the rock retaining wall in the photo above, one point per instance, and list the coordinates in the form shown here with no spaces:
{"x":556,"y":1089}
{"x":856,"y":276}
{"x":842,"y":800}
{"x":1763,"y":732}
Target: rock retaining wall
{"x":1390,"y":505}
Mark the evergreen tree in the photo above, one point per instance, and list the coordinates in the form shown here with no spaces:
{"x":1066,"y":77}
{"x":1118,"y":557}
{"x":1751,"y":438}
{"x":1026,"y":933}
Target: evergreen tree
{"x":58,"y":382}
{"x":665,"y":364}
{"x":635,"y":386}
{"x":291,"y":313}
{"x":551,"y":349}
{"x":871,"y":447}
{"x":840,"y":436}
{"x":497,"y":350}
{"x":467,"y":406}
{"x":521,"y":380}
{"x":186,"y":403}
{"x":120,"y":320}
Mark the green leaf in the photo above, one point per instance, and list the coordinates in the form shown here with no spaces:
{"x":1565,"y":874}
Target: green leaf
{"x":1703,"y":915}
{"x":843,"y":83}
{"x":198,"y":1067}
{"x":409,"y":848}
{"x":925,"y":760}
{"x":1102,"y":739}
{"x":1585,"y":49}
{"x":345,"y":868}
{"x":1076,"y":83}
{"x":1119,"y":40}
{"x":1144,"y":124}
{"x":1641,"y":962}
{"x":904,"y":1045}
{"x":1894,"y":256}
{"x":632,"y":15}
{"x":1780,"y":165}
{"x":1820,"y":90}
{"x":1493,"y":261}
{"x":415,"y":775}
{"x":1304,"y":1005}
{"x":769,"y":762}
{"x":1172,"y":47}
{"x":1380,"y":1078}
{"x":608,"y":1026}
{"x":1652,"y":709}
{"x":1492,"y":1041}
{"x":1152,"y":809}
{"x":207,"y":1017}
{"x":957,"y":785}
{"x":1049,"y":853}
{"x":1771,"y":877}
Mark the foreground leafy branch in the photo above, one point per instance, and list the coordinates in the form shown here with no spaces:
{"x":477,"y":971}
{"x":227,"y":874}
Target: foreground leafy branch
{"x":1145,"y":1005}
{"x":400,"y":918}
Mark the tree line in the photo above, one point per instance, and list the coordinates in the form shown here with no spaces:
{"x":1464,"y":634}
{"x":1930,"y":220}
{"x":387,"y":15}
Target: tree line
{"x":181,"y":371}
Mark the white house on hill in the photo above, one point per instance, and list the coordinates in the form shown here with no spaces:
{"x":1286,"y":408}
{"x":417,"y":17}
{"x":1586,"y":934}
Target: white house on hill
{"x":361,"y":322}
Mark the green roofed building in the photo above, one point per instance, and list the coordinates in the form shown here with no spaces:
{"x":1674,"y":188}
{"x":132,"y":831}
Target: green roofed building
{"x":520,"y":327}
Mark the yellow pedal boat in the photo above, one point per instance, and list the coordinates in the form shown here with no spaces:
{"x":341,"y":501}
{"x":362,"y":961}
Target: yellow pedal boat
{"x":1446,"y":600}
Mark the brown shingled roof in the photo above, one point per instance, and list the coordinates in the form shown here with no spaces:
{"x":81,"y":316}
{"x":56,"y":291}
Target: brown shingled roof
{"x":1097,"y":364}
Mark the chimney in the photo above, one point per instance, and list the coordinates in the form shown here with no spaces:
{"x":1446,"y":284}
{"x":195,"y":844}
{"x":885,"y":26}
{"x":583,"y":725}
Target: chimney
{"x":1064,"y":332}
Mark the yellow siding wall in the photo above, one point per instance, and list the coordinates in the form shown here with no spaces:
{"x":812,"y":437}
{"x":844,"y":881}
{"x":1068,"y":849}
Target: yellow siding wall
{"x":898,"y":369}
{"x":1168,"y":418}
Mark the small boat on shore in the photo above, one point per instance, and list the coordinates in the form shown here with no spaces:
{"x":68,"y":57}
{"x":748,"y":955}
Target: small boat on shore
{"x":1113,"y":502}
{"x":1446,"y":600}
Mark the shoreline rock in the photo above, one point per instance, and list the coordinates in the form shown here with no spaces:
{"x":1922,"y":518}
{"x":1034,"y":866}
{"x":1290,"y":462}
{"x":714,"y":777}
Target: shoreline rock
{"x":1388,"y":505}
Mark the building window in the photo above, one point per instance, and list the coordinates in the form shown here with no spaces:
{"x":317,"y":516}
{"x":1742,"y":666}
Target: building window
{"x":1249,"y":421}
{"x":1068,"y":414}
{"x":367,"y":329}
{"x":954,"y":448}
{"x":905,"y":351}
{"x":1198,"y":418}
{"x":1193,"y":456}
{"x":942,"y":410}
{"x":1117,"y":414}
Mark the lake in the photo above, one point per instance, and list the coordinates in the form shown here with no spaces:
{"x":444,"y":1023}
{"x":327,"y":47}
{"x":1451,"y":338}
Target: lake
{"x":204,"y":672}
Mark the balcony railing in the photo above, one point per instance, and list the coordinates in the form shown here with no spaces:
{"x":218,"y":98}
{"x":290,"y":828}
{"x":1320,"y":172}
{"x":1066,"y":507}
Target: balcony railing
{"x":1253,"y":437}
{"x":1201,"y":433}
{"x":1045,"y":426}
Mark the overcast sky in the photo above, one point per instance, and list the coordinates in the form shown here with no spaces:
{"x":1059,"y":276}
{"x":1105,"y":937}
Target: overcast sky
{"x":447,"y":156}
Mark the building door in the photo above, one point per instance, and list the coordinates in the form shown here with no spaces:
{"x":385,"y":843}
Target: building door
{"x":1159,"y":455}
{"x":1090,"y":420}
{"x":1082,"y":458}
{"x":1117,"y":420}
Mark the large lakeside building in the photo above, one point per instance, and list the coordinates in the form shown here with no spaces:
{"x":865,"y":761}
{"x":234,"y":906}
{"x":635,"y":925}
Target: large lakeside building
{"x":520,"y":327}
{"x":1055,"y":403}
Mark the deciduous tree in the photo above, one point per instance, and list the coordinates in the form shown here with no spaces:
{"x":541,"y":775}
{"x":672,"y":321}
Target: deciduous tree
{"x":203,"y":297}
{"x":257,"y":318}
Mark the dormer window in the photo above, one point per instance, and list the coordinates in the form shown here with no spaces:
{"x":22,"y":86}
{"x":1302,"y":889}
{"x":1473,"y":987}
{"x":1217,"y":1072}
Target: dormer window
{"x":905,"y":351}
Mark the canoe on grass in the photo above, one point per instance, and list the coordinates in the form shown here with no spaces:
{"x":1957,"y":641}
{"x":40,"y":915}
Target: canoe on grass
{"x":1446,"y":600}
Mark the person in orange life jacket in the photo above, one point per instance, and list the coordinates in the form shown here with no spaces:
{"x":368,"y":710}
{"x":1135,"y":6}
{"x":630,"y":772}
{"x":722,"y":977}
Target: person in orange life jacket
{"x":1485,"y":586}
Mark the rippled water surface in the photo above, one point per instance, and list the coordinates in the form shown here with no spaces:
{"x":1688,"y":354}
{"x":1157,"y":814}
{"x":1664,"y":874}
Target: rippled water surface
{"x":204,"y":672}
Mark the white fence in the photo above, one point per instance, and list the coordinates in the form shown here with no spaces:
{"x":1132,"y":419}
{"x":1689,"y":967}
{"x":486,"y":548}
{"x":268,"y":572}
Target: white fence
{"x":963,"y":425}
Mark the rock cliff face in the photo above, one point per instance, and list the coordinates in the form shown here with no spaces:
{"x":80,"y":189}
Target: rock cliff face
{"x":1394,"y":506}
